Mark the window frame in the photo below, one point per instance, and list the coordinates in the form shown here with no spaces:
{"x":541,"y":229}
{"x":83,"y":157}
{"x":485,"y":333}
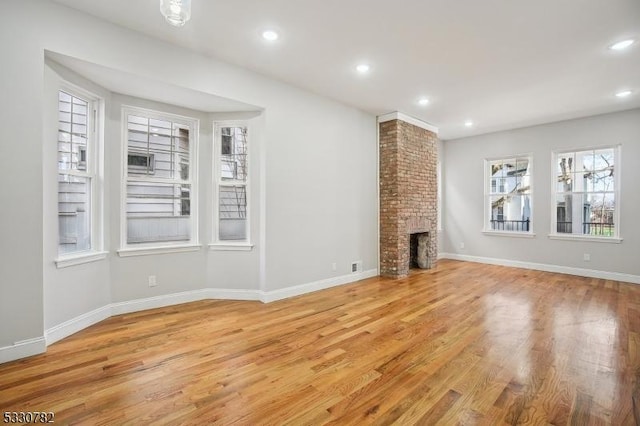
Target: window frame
{"x":147,"y":248}
{"x":617,"y":155}
{"x":486,"y":202}
{"x":93,"y":169}
{"x":217,"y":181}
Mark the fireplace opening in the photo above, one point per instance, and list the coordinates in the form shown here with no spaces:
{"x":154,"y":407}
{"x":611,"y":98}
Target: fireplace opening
{"x":419,"y":251}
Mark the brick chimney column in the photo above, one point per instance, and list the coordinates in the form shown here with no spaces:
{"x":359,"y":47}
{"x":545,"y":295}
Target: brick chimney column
{"x":408,"y":151}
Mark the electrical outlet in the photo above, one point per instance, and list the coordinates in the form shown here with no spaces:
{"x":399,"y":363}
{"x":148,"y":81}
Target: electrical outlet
{"x":462,"y":246}
{"x":587,"y":257}
{"x":334,"y":266}
{"x":152,"y":281}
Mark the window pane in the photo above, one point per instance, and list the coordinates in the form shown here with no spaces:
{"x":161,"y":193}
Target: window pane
{"x":522,"y":166}
{"x":564,"y":185}
{"x":74,"y":214}
{"x":72,"y":132}
{"x":64,"y":97}
{"x":604,"y":159}
{"x":522,"y":185}
{"x":233,"y":153}
{"x":158,"y":148}
{"x":584,"y":161}
{"x":603,"y":175}
{"x":232,"y":212}
{"x":497,"y":169}
{"x":158,"y":212}
{"x":510,"y":213}
{"x":565,"y":165}
{"x":599,"y":211}
{"x":564,"y":209}
{"x":498,"y":185}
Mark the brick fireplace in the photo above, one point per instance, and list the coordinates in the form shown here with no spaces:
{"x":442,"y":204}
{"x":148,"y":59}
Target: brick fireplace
{"x":408,"y":191}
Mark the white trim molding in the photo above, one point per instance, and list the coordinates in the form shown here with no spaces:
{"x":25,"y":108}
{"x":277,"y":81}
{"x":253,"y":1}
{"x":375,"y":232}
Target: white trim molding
{"x":284,"y":293}
{"x":144,"y":251}
{"x":159,"y":301}
{"x":67,"y":328}
{"x":79,"y":259}
{"x":515,"y":234}
{"x":581,"y":237}
{"x":396,"y":115}
{"x":590,"y":273}
{"x":230,"y":247}
{"x":23,"y":349}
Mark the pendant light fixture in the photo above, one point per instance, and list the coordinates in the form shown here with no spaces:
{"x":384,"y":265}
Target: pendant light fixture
{"x":176,"y":12}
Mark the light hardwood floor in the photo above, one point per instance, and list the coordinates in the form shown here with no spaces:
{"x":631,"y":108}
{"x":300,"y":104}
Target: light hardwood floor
{"x":462,"y":343}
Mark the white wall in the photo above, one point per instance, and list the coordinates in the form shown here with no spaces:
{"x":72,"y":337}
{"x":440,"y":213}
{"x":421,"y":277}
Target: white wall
{"x":317,"y":172}
{"x":321,"y":192}
{"x":464,"y":189}
{"x":21,"y":297}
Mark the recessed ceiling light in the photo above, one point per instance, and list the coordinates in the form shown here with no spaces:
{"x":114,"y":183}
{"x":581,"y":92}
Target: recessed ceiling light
{"x":468,"y":123}
{"x":270,"y":35}
{"x":363,"y":68}
{"x":423,"y":101}
{"x":624,"y":94}
{"x":621,"y":45}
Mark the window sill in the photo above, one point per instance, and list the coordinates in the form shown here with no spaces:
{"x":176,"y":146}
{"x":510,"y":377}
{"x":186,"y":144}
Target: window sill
{"x":578,"y":237}
{"x":515,"y":234}
{"x":146,"y":251}
{"x":231,"y":247}
{"x":79,"y":259}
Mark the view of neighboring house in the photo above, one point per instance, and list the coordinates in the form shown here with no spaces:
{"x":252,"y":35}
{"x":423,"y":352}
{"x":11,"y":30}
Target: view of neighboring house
{"x":74,"y":184}
{"x":510,"y":195}
{"x":232,"y":188}
{"x":158,"y":195}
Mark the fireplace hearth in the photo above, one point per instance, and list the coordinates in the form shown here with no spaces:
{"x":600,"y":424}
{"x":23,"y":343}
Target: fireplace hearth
{"x":419,"y":251}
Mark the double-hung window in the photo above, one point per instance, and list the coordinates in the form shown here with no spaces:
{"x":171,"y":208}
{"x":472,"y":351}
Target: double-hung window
{"x":159,"y":179}
{"x":78,"y":165}
{"x":585,"y":187}
{"x":231,"y":209}
{"x":508,"y":204}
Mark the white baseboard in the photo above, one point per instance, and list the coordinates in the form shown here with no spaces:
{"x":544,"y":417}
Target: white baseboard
{"x":284,"y":293}
{"x":234,"y":294}
{"x":67,"y":328}
{"x":38,"y":345}
{"x":23,"y":349}
{"x":591,"y":273}
{"x":159,"y":301}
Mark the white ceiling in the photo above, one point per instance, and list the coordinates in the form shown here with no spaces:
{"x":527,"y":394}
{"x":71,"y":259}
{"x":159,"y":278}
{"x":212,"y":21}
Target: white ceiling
{"x":501,"y":63}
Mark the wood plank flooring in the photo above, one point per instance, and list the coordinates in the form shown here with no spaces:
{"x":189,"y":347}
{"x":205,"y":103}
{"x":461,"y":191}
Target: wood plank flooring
{"x":462,"y":343}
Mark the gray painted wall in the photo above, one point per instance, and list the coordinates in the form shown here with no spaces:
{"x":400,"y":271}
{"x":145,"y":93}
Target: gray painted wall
{"x":21,"y":251}
{"x":464,"y":189}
